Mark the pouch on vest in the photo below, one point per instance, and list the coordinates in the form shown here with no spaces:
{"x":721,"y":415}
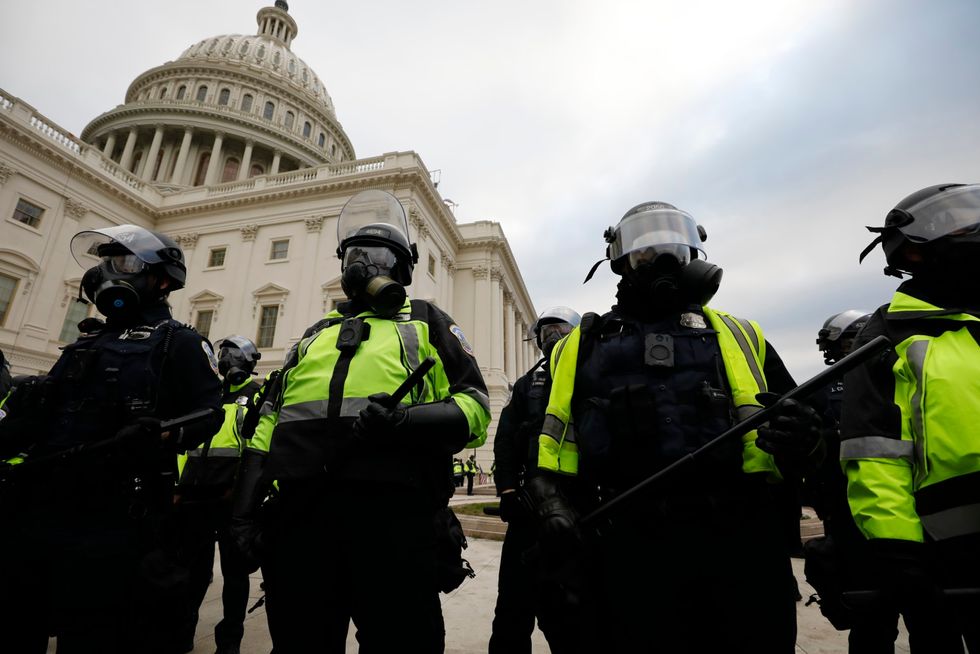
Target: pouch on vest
{"x":450,"y":541}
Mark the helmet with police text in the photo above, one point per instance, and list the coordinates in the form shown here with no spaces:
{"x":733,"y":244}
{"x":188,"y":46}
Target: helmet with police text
{"x":237,"y":357}
{"x":551,"y":326}
{"x":934,"y":228}
{"x":836,"y":337}
{"x":132,"y":261}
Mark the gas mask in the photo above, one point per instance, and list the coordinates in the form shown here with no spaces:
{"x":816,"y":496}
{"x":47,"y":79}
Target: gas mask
{"x":667,"y":275}
{"x":234,"y":366}
{"x":366,"y":277}
{"x":118,"y":285}
{"x":550,"y":333}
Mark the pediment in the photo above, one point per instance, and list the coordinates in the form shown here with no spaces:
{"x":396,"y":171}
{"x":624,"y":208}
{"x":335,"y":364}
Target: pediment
{"x":270,"y":290}
{"x":206,"y":296}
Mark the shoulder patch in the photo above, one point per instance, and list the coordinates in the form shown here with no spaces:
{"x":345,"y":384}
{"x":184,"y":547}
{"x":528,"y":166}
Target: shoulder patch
{"x":457,"y":331}
{"x":211,"y":358}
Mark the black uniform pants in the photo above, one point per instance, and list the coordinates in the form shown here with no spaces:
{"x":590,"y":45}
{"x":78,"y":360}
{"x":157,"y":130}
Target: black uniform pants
{"x":469,"y":483}
{"x":201,"y":524}
{"x":361,"y":552}
{"x":694,"y":576}
{"x":87,"y":577}
{"x":520,"y":598}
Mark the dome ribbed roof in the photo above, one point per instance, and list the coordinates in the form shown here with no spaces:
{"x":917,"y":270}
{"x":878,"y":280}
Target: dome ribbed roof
{"x":267,"y":53}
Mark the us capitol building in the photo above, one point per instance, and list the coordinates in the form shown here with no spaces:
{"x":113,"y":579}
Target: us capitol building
{"x":235,"y":150}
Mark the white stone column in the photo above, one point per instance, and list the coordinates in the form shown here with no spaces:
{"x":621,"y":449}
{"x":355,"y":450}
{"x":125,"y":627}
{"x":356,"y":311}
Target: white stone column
{"x":151,"y":157}
{"x":497,"y":319}
{"x":110,"y":145}
{"x":482,"y":319}
{"x":214,"y":164}
{"x":246,"y":160}
{"x":127,"y":156}
{"x":512,"y":340}
{"x":185,"y":145}
{"x":276,"y":158}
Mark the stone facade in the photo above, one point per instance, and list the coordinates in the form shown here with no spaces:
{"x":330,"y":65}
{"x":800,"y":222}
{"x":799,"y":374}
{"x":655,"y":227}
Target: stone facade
{"x":252,"y":200}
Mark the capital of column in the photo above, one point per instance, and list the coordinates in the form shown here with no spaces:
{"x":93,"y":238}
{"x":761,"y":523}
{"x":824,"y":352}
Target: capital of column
{"x":315,"y":224}
{"x":248,"y":232}
{"x":75,"y":209}
{"x":496,"y":274}
{"x":187,"y":241}
{"x":508,"y":298}
{"x":480,"y":272}
{"x":5,"y":173}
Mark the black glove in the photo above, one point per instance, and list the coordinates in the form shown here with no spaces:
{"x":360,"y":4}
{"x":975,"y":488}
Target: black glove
{"x":793,"y":436}
{"x":140,"y":438}
{"x":512,"y":509}
{"x":378,"y":421}
{"x":558,"y":530}
{"x":251,"y":489}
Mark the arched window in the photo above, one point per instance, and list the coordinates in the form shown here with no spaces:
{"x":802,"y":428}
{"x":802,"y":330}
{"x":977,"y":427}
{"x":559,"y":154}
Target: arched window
{"x":163,"y":93}
{"x":247,"y":102}
{"x":307,"y":128}
{"x":181,"y":92}
{"x":230,"y":172}
{"x":256,"y":170}
{"x":224,"y":96}
{"x":322,"y":140}
{"x":333,"y":149}
{"x":202,"y":93}
{"x":202,"y":169}
{"x":288,"y":121}
{"x":268,"y":111}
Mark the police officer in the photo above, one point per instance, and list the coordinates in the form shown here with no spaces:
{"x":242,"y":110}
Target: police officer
{"x":701,"y":565}
{"x":361,"y":481}
{"x":207,"y":477}
{"x":471,"y":468}
{"x":458,"y":468}
{"x":93,"y":560}
{"x":909,"y":427}
{"x":515,"y":448}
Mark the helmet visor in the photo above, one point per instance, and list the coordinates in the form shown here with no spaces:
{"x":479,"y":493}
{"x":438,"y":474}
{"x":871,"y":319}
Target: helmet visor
{"x":836,"y":326}
{"x":125,"y":264}
{"x":649,"y":254}
{"x":241,"y":343}
{"x":955,"y":212}
{"x":138,"y":241}
{"x":555,"y":331}
{"x":378,"y":259}
{"x":376,"y":208}
{"x":653,"y":229}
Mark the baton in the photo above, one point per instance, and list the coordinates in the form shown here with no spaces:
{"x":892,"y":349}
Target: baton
{"x":89,"y":448}
{"x":406,"y":386}
{"x":870,"y":349}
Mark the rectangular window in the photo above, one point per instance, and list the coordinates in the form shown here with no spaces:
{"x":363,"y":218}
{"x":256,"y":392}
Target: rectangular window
{"x":267,"y":326}
{"x":28,"y":213}
{"x":77,"y":312}
{"x":216,"y":258}
{"x":203,"y":323}
{"x":432,"y":265}
{"x":279,"y":250}
{"x":8,"y":286}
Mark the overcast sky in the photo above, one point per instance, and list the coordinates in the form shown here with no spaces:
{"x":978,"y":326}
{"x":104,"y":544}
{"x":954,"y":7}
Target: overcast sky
{"x":782,"y":126}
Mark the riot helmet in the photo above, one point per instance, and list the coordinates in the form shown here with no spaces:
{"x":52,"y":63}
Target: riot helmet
{"x":658,"y":248}
{"x":133,"y":261}
{"x":551,"y":326}
{"x":934,"y":230}
{"x":836,"y":337}
{"x":377,"y":258}
{"x":237,"y":357}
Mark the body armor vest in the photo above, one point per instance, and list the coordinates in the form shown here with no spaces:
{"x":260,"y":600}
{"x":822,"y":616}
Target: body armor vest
{"x":647,"y":394}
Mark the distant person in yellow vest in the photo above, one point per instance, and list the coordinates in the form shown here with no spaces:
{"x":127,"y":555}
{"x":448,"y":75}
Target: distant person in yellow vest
{"x":458,"y":471}
{"x":471,"y":469}
{"x":207,"y":477}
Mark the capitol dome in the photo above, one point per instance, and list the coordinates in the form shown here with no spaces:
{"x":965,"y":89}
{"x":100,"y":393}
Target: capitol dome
{"x":229,"y":108}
